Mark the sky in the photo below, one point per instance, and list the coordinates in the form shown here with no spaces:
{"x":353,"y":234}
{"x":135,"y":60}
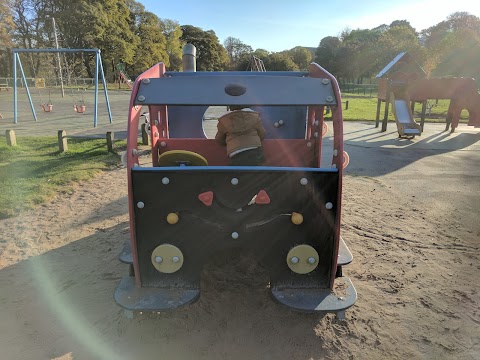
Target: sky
{"x":280,"y":25}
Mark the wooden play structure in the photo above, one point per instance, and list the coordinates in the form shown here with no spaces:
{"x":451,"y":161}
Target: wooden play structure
{"x":403,"y":83}
{"x":188,"y":205}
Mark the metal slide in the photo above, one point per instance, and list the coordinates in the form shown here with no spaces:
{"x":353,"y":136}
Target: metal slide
{"x":406,"y":124}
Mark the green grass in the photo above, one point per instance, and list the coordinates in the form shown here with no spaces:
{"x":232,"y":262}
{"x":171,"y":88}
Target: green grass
{"x":364,"y":108}
{"x":34,"y":170}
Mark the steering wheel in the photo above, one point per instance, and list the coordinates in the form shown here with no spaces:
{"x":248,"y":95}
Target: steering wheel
{"x":181,"y":158}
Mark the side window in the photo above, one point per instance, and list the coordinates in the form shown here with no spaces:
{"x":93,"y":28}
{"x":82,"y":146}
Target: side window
{"x":209,"y":121}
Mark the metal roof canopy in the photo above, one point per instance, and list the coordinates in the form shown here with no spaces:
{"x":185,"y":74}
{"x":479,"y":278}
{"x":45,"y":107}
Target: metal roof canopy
{"x":213,"y":90}
{"x":401,"y":60}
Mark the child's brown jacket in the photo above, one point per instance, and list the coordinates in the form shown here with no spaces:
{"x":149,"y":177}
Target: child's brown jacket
{"x":240,"y":130}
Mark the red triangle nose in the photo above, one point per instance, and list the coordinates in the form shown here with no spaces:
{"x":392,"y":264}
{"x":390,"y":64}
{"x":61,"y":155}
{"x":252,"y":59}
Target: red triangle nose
{"x":262,"y":198}
{"x":206,"y":198}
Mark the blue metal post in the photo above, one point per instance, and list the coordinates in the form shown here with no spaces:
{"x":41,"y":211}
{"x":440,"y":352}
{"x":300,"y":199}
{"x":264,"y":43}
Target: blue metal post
{"x":14,"y":88}
{"x":105,"y":87}
{"x":26,"y":87}
{"x":95,"y":110}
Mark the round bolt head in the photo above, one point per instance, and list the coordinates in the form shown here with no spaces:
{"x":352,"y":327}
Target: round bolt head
{"x":329,"y":99}
{"x":234,"y":181}
{"x":134,"y":152}
{"x":312,"y":260}
{"x":281,"y":122}
{"x":235,"y":235}
{"x":146,"y":81}
{"x":325,"y":81}
{"x":158,"y":259}
{"x":329,"y":206}
{"x":303,"y":181}
{"x":165,"y":181}
{"x":141,"y":98}
{"x":335,"y":152}
{"x":156,"y":122}
{"x":316,"y":122}
{"x":140,"y":205}
{"x":175,"y":259}
{"x":276,"y":124}
{"x":294,"y":260}
{"x":163,"y":144}
{"x":155,"y":134}
{"x":309,"y":144}
{"x":315,"y":135}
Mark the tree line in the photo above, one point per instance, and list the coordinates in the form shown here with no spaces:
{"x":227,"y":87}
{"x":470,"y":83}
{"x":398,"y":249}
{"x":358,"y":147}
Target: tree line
{"x":127,"y":33}
{"x":449,"y":48}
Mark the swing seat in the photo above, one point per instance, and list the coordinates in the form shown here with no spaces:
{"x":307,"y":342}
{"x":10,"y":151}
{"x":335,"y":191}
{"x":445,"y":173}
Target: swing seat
{"x":47,"y":107}
{"x":79,"y":108}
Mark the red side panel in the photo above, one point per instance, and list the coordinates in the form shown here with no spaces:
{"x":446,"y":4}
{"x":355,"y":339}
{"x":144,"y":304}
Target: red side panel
{"x":132,"y":158}
{"x":337,"y":118}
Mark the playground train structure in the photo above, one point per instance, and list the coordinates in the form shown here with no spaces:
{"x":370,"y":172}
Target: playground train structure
{"x":189,"y":204}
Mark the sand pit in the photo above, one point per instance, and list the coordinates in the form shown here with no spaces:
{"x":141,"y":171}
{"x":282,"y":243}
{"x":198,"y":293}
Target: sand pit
{"x":412,"y":227}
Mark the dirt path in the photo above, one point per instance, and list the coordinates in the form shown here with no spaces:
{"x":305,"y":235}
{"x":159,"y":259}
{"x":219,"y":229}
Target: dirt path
{"x":415,"y":269}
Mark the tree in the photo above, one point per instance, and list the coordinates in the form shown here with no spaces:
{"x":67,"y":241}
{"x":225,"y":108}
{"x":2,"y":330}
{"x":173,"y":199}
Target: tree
{"x":103,"y":24}
{"x":6,"y":42}
{"x":109,"y":30}
{"x":455,"y":45}
{"x":357,"y":59}
{"x":395,"y":40}
{"x":152,"y":47}
{"x":280,"y":62}
{"x":301,"y":57}
{"x":173,"y":35}
{"x":402,"y":23}
{"x":244,"y":60}
{"x":211,"y":55}
{"x":236,"y":50}
{"x":6,"y":24}
{"x":326,"y":54}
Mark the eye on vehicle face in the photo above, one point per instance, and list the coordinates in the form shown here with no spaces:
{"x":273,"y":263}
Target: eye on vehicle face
{"x":235,"y":89}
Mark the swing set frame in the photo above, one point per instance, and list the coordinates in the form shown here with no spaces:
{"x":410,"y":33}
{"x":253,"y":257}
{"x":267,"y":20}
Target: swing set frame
{"x":98,"y":71}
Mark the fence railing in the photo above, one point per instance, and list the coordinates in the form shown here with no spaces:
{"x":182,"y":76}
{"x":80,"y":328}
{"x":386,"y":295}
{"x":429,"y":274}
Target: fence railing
{"x":361,"y":89}
{"x":46,"y":82}
{"x":8,"y":82}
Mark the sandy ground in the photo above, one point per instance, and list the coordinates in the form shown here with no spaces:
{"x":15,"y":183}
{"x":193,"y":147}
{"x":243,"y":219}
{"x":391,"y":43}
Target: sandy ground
{"x":412,"y":227}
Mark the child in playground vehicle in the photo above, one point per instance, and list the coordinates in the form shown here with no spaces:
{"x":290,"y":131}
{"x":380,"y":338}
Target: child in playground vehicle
{"x":241,"y":130}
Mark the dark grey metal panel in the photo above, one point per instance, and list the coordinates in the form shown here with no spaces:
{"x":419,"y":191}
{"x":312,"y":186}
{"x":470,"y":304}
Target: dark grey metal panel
{"x":345,"y":257}
{"x":126,"y":254}
{"x":203,"y":230}
{"x":237,"y":73}
{"x":259,"y":90}
{"x":134,"y":298}
{"x":343,"y":297}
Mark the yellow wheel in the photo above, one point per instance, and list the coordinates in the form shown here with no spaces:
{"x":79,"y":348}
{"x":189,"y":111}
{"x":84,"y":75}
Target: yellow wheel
{"x":167,"y":258}
{"x":302,"y":259}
